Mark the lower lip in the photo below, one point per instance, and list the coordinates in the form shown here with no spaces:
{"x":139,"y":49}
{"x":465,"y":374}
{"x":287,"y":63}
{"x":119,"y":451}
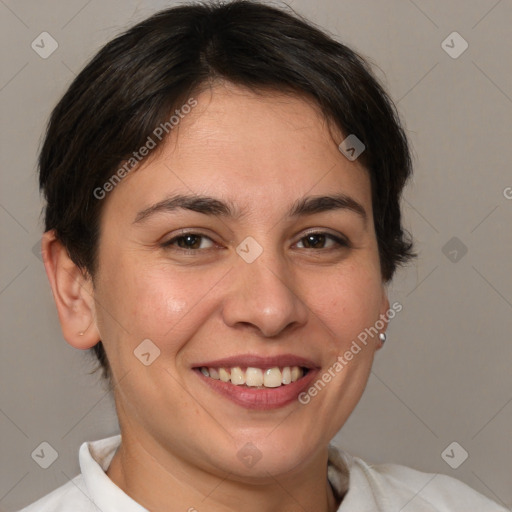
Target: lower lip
{"x":260,"y":398}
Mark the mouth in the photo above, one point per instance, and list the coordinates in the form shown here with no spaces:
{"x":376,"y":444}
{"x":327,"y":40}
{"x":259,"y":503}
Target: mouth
{"x":252,"y":377}
{"x":258,"y":383}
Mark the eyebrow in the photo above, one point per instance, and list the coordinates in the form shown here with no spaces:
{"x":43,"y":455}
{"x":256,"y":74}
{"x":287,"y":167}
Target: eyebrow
{"x":320,"y":204}
{"x":211,"y":206}
{"x":200,"y":204}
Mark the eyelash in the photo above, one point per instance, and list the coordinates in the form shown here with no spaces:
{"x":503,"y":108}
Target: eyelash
{"x":170,"y":244}
{"x":338,"y":240}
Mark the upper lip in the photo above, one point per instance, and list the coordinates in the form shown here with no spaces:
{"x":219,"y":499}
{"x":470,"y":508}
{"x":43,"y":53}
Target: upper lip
{"x":255,"y":361}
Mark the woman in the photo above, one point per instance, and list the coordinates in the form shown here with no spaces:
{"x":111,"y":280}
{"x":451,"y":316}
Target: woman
{"x":222,"y":187}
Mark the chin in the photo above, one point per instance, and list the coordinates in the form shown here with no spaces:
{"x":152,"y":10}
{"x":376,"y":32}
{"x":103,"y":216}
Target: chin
{"x":270,"y":455}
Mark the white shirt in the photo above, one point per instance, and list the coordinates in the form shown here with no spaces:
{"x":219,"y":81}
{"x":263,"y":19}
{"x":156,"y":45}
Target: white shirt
{"x":382,"y":488}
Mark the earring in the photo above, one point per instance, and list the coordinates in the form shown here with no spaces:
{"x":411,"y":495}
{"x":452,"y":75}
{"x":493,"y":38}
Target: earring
{"x":81,"y":333}
{"x":383,"y":337}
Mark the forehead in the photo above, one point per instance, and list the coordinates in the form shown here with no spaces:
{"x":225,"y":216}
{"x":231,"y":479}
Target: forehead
{"x":248,"y":148}
{"x":289,"y":128}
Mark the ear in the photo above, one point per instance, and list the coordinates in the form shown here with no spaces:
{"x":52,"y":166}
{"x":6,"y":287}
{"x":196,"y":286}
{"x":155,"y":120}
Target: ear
{"x":384,"y":308}
{"x":73,"y":294}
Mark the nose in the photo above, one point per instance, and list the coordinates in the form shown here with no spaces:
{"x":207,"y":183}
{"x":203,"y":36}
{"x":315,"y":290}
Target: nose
{"x":262,"y":298}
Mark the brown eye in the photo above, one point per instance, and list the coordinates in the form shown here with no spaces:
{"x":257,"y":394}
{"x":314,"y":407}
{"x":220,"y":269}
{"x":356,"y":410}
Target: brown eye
{"x":190,"y":241}
{"x":320,"y":241}
{"x":316,"y":241}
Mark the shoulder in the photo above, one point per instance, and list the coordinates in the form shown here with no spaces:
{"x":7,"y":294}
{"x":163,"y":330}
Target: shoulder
{"x":70,"y":496}
{"x":92,"y":488}
{"x":439,"y":491}
{"x":391,"y":487}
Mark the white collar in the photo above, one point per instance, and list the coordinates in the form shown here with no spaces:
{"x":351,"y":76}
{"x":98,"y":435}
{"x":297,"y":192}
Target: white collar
{"x":96,"y":456}
{"x":387,"y":487}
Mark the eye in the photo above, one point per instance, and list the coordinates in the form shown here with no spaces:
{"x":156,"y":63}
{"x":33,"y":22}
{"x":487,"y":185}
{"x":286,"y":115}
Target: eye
{"x":190,"y":241}
{"x":321,"y":240}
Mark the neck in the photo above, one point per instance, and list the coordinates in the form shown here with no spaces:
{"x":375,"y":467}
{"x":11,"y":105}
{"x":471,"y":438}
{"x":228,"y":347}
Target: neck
{"x":155,"y":479}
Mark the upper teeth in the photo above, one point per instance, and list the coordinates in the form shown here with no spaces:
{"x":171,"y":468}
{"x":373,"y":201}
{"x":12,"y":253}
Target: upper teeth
{"x":255,"y":377}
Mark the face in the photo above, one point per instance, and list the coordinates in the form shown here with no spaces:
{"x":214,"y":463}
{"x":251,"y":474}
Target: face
{"x":246,"y":246}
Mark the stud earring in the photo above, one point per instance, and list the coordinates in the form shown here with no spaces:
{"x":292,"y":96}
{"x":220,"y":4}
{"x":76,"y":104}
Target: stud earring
{"x":81,"y":333}
{"x":383,"y":337}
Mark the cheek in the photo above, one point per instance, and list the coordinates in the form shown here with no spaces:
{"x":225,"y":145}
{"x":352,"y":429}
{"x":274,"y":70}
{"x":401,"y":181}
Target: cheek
{"x":155,"y":303}
{"x":140,"y":301}
{"x":347,"y":302}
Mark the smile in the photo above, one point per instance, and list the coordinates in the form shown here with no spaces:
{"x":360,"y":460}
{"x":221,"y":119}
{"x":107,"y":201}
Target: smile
{"x":256,"y":377}
{"x":256,"y":382}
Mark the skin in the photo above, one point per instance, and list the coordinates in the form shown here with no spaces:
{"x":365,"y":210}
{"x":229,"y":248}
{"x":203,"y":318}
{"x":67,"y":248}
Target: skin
{"x":261,"y":153}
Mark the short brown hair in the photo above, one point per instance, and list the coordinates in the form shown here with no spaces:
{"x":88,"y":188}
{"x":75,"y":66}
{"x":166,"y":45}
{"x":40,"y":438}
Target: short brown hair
{"x":136,"y":80}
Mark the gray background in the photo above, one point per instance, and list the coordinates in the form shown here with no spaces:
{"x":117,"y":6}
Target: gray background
{"x":444,"y":374}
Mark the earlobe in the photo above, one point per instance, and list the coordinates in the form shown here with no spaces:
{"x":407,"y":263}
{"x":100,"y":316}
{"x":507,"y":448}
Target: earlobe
{"x":73,"y":294}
